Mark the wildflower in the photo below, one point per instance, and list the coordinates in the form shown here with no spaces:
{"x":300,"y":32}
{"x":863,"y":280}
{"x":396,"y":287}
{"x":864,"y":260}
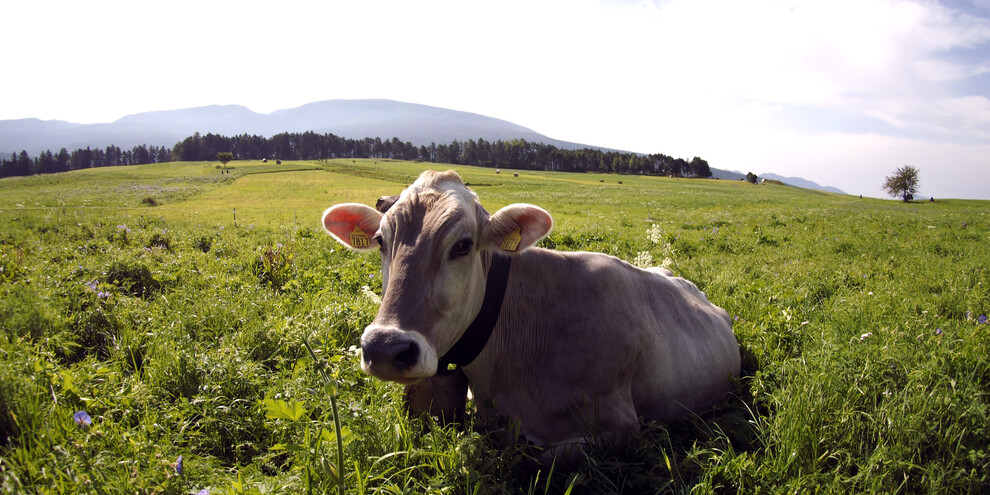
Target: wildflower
{"x":982,"y":319}
{"x":643,"y":259}
{"x":204,"y":491}
{"x":865,"y":336}
{"x":91,"y":285}
{"x":938,"y":332}
{"x":654,"y":234}
{"x":370,"y":294}
{"x":82,"y":419}
{"x":178,"y":466}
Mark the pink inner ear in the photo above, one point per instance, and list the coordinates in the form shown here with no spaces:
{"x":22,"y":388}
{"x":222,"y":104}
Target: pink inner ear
{"x":341,"y":223}
{"x":535,"y":224}
{"x":341,"y":220}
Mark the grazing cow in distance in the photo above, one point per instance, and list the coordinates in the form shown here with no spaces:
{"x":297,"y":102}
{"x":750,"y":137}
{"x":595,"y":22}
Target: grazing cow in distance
{"x":558,"y":341}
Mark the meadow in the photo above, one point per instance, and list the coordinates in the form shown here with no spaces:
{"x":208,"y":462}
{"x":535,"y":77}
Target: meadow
{"x":173,"y":329}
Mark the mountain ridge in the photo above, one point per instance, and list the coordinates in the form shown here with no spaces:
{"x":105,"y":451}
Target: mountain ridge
{"x":353,"y":119}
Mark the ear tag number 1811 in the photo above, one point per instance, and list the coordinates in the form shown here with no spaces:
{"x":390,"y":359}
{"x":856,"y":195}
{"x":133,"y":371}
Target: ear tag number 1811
{"x":359,"y":239}
{"x":511,"y":241}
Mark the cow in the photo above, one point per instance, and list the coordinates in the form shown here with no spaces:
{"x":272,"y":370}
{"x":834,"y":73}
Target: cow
{"x":562,"y":343}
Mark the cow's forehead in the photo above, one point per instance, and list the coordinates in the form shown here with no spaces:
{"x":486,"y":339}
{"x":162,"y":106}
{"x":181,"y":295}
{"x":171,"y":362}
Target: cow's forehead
{"x":433,"y":204}
{"x":446,"y":183}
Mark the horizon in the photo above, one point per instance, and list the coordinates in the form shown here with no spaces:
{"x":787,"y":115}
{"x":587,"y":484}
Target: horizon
{"x":840,"y":93}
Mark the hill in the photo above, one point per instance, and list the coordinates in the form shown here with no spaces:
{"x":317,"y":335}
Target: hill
{"x":799,"y":182}
{"x":355,"y":119}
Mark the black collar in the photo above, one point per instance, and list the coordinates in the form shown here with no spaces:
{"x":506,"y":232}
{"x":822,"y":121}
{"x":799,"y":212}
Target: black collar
{"x":467,"y":348}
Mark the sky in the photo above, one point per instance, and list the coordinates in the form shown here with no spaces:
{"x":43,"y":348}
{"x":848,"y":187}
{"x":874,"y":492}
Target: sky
{"x":834,"y":91}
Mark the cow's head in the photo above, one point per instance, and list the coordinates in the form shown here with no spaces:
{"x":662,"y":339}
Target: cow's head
{"x":436,"y":243}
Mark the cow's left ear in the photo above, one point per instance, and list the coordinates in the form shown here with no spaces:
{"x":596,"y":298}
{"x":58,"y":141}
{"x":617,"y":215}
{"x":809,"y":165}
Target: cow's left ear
{"x":517,"y":227}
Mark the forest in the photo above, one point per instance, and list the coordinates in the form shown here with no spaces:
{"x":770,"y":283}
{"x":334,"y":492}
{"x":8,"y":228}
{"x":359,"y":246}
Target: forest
{"x":512,"y":154}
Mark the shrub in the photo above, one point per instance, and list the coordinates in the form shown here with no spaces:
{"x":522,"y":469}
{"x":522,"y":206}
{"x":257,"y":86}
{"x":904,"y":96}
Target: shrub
{"x":23,"y":313}
{"x":273,"y":266}
{"x":133,"y":278}
{"x":160,"y":240}
{"x":203,"y":243}
{"x":11,"y":264}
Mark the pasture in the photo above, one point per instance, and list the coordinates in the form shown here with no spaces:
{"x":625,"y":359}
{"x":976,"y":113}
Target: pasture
{"x":206,"y":327}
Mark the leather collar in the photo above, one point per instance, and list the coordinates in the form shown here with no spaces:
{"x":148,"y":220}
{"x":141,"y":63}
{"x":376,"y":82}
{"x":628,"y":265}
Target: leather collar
{"x":474,"y":339}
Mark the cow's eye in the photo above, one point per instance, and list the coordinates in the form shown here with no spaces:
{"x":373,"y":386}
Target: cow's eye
{"x":462,"y":248}
{"x":381,"y":244}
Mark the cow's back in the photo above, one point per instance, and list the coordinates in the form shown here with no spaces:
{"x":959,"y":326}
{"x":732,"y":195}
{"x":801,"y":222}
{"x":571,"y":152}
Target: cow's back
{"x":590,"y":327}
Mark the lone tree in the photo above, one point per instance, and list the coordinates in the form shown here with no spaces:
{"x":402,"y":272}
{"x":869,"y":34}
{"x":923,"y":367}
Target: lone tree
{"x":224,"y":157}
{"x":903,"y":183}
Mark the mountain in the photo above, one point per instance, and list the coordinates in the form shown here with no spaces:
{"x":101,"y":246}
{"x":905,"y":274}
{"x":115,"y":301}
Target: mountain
{"x":803,"y":183}
{"x":354,"y":119}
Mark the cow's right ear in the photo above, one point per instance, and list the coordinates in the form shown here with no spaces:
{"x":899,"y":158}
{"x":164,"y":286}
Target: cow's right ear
{"x":353,"y":224}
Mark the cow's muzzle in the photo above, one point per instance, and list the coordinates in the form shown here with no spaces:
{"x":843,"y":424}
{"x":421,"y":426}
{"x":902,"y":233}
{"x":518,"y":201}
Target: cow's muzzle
{"x":397,"y":355}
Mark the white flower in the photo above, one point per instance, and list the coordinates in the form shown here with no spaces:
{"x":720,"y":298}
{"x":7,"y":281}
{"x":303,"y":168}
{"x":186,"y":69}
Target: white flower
{"x":367,"y":292}
{"x":643,"y":259}
{"x":654,"y":234}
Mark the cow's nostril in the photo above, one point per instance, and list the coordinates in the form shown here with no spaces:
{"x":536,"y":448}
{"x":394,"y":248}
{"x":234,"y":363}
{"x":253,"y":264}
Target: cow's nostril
{"x":408,"y":357}
{"x":388,"y":353}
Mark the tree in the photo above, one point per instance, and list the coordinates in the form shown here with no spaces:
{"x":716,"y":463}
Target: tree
{"x":903,"y":183}
{"x":751,"y":177}
{"x":224,"y":157}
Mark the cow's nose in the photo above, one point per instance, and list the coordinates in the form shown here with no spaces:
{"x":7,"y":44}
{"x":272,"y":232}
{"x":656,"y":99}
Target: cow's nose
{"x":389,"y":352}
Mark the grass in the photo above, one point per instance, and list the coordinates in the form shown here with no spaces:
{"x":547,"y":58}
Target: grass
{"x":182,"y":330}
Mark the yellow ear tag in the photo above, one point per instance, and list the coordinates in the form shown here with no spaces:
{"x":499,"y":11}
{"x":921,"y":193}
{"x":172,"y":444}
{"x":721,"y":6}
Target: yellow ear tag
{"x":511,"y":241}
{"x":359,"y":239}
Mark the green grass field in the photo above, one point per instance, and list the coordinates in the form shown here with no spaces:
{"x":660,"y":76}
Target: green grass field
{"x":173,"y":305}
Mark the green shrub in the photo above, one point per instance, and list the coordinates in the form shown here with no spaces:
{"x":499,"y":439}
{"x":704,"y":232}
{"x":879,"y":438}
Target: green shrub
{"x":273,"y":266}
{"x":11,"y":263}
{"x":160,"y":240}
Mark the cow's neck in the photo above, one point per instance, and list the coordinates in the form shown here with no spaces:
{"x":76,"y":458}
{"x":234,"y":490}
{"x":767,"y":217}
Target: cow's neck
{"x":474,"y":339}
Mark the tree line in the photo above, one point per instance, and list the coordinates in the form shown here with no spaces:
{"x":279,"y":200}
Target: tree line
{"x":46,"y":162}
{"x":509,"y":154}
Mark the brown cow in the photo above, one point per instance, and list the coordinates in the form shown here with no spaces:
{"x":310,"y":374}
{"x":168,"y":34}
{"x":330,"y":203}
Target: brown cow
{"x":554,"y":340}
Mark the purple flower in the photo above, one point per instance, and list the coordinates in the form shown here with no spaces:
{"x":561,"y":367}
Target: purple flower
{"x":204,"y":491}
{"x":91,"y":285}
{"x":938,"y":332}
{"x":982,"y":319}
{"x":82,"y":419}
{"x":178,"y":466}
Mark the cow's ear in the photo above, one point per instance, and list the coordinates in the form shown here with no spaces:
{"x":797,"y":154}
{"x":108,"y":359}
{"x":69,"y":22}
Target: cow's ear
{"x":353,"y":224}
{"x":384,"y":203}
{"x":517,"y":227}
